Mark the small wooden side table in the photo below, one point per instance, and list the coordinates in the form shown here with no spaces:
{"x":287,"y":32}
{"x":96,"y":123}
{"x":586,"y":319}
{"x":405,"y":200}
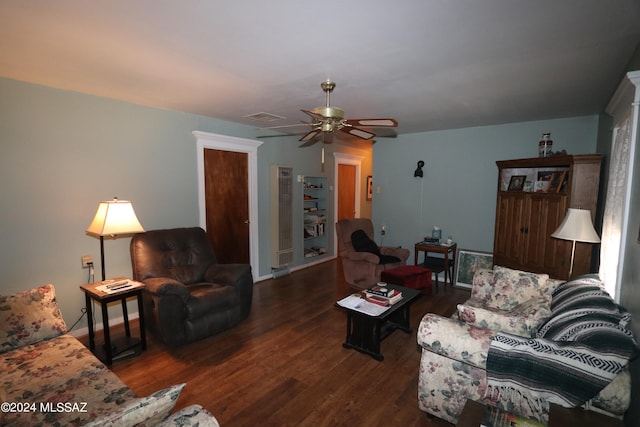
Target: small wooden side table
{"x":112,"y":350}
{"x":437,"y":264}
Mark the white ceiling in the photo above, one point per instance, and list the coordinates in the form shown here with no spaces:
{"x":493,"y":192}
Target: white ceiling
{"x":432,"y":64}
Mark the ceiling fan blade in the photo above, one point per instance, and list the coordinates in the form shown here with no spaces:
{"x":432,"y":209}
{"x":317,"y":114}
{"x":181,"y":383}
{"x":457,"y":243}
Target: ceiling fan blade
{"x":315,"y":116}
{"x":373,"y":122}
{"x":310,"y":135}
{"x":360,"y":133}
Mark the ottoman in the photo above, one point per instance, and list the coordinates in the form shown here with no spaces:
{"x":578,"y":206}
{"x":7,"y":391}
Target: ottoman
{"x":409,"y":276}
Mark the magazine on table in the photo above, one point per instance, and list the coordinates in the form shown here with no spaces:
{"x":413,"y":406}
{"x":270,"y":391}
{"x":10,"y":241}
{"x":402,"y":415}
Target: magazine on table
{"x":355,"y":302}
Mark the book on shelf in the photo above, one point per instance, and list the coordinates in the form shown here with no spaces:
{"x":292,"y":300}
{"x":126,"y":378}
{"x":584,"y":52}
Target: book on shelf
{"x":496,"y":417}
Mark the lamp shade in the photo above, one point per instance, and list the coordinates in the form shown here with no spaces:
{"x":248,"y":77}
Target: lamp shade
{"x":113,"y":218}
{"x":577,"y":226}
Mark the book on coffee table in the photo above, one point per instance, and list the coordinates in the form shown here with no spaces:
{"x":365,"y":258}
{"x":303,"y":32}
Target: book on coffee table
{"x":375,"y":298}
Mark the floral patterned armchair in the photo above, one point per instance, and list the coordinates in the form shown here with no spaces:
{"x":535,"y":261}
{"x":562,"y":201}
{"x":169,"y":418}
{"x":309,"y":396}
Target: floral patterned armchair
{"x":455,"y":350}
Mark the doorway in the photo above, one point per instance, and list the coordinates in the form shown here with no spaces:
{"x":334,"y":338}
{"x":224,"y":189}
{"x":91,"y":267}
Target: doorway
{"x":227,"y":173}
{"x":226,"y":190}
{"x":347,"y":175}
{"x":346,"y":191}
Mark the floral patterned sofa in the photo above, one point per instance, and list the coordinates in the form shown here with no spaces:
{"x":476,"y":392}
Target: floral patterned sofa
{"x":523,"y":341}
{"x":47,"y":377}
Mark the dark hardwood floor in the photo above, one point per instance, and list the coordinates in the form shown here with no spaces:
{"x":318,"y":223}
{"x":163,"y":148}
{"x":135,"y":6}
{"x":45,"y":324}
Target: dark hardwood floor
{"x":285,"y":364}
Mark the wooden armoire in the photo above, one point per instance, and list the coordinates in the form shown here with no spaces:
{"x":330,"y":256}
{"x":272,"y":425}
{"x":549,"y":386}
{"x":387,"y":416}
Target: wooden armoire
{"x":533,"y":198}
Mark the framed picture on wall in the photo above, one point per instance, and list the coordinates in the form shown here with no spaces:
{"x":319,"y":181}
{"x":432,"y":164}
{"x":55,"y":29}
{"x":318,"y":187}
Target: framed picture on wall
{"x":369,"y":187}
{"x":467,"y":263}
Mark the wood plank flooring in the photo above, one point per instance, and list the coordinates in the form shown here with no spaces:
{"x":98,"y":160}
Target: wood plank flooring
{"x":285,"y":364}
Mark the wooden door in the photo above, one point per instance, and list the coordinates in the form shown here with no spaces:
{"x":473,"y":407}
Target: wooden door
{"x":346,"y":191}
{"x":227,"y":204}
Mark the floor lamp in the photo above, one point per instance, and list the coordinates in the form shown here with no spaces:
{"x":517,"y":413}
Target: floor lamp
{"x":112,"y":219}
{"x":577,"y":227}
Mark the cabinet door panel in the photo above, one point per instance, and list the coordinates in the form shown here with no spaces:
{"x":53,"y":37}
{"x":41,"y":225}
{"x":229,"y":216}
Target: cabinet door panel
{"x":557,"y":251}
{"x":510,"y":227}
{"x":545,"y":253}
{"x":536,"y":238}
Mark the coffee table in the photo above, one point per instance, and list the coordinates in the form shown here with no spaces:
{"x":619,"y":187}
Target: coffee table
{"x":365,"y":332}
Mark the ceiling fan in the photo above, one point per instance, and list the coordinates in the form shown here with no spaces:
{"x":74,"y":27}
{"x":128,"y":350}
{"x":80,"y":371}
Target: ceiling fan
{"x":326,"y":120}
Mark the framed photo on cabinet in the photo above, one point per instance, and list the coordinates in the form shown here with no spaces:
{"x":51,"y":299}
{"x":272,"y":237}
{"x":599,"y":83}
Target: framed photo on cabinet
{"x":556,"y":181}
{"x":544,"y":181}
{"x":516,"y":183}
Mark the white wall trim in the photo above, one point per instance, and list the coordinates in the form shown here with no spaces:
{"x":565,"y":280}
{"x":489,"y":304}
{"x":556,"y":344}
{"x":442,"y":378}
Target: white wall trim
{"x":230,"y":143}
{"x":634,"y":79}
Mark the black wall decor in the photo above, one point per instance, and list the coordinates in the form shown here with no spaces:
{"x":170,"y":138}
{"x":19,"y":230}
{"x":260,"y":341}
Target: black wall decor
{"x":418,"y":172}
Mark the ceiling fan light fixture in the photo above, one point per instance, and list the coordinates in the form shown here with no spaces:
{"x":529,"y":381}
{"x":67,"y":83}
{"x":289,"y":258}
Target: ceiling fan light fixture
{"x":327,"y":126}
{"x":328,"y":119}
{"x":330,"y":112}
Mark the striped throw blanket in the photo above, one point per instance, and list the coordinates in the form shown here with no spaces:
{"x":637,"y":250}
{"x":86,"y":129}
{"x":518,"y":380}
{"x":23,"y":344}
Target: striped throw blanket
{"x":578,"y":352}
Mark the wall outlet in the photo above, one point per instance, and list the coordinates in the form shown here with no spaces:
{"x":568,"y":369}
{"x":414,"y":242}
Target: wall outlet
{"x":86,"y":260}
{"x":383,"y":230}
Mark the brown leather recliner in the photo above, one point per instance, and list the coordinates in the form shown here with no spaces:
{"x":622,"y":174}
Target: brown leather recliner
{"x":362,"y":268}
{"x":188,"y":295}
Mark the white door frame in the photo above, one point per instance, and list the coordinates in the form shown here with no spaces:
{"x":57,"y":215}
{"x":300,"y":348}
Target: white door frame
{"x":346,"y":159}
{"x":240,"y":145}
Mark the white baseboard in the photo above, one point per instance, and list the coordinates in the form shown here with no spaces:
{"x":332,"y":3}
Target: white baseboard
{"x":100,"y":326}
{"x":296,"y":268}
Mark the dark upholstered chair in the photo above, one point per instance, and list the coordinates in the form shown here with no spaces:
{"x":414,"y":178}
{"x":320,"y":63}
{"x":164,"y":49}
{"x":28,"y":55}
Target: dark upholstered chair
{"x":188,"y":295}
{"x":363,"y":262}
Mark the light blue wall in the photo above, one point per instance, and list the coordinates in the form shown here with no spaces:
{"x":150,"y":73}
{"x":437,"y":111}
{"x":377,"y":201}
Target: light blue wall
{"x":458,"y":190}
{"x":63,"y":152}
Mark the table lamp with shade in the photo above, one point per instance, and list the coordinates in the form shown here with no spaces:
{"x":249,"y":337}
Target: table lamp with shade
{"x":113,"y":218}
{"x":577,"y":227}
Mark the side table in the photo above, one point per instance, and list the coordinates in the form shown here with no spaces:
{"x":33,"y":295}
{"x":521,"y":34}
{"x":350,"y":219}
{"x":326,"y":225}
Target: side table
{"x":437,"y":264}
{"x":120,"y":347}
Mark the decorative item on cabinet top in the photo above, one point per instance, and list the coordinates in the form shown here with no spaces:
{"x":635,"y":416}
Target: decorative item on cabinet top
{"x":542,"y":178}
